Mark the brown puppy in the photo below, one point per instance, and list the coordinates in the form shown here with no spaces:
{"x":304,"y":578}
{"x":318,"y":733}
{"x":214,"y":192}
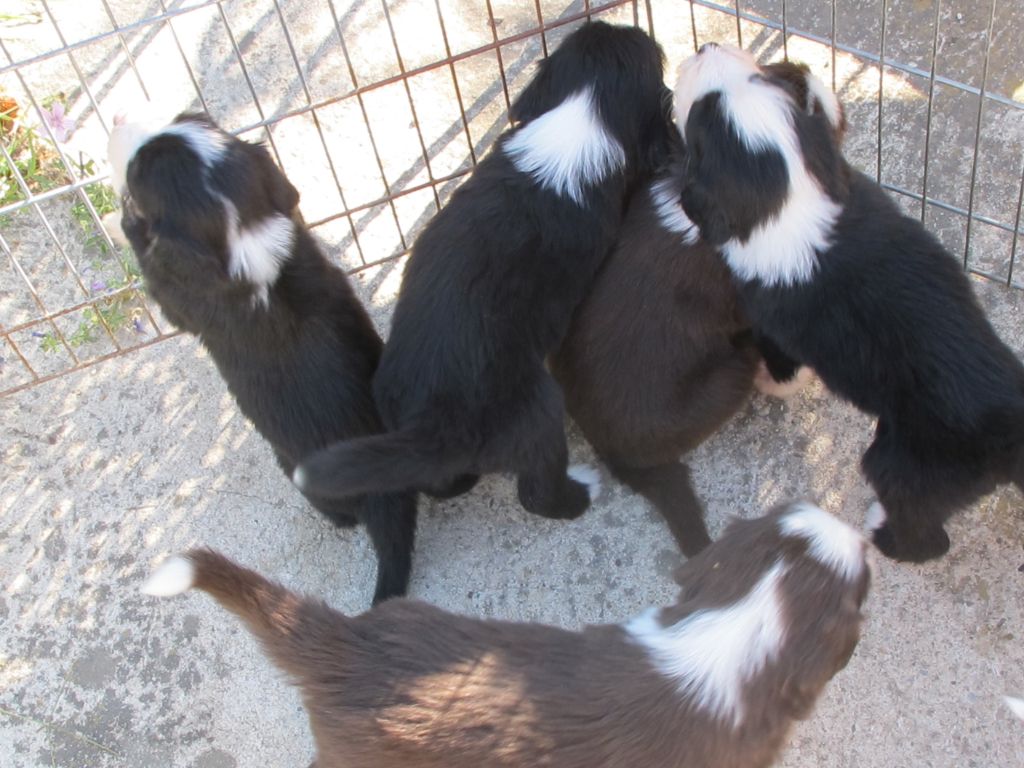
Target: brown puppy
{"x":766,"y":616}
{"x":658,"y":356}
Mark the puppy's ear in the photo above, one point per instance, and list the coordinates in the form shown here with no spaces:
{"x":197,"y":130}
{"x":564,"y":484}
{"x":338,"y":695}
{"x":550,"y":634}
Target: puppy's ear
{"x":535,"y":98}
{"x":283,"y":196}
{"x":699,"y":203}
{"x":659,"y":139}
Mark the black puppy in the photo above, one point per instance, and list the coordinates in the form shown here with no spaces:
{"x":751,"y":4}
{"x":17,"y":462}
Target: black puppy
{"x":492,"y":282}
{"x":225,"y":254}
{"x":838,"y":278}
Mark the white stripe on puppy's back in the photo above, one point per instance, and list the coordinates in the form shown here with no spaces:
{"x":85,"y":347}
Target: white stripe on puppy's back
{"x":567,"y":148}
{"x":830,"y":541}
{"x":711,"y":653}
{"x":175,"y":575}
{"x":205,"y":141}
{"x":258,"y":251}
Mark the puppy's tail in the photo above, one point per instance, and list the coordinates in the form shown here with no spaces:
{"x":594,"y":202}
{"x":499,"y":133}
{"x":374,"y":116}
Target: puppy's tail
{"x":282,"y":621}
{"x":384,"y":463}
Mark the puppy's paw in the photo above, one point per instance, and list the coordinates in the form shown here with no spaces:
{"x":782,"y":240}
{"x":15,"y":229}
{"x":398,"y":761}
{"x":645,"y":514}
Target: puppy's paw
{"x":920,"y":547}
{"x":781,"y":389}
{"x":112,"y":225}
{"x":588,"y":476}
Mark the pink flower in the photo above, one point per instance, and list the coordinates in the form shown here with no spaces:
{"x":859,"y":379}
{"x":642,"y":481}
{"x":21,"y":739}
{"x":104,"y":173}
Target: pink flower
{"x":59,"y":123}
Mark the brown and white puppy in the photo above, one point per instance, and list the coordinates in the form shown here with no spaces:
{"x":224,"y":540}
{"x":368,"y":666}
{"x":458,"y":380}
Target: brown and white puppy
{"x":766,"y":616}
{"x":658,"y":356}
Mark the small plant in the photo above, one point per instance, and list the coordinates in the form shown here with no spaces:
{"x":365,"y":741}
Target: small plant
{"x":38,"y":162}
{"x":103,"y":198}
{"x":33,"y":158}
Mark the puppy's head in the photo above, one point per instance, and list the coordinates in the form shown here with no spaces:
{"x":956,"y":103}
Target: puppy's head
{"x":620,"y":70}
{"x":788,"y":589}
{"x":764,"y":171}
{"x":810,"y":93}
{"x":201,"y":205}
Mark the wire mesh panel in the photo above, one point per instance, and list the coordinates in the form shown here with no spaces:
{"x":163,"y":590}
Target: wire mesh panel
{"x":377,"y":108}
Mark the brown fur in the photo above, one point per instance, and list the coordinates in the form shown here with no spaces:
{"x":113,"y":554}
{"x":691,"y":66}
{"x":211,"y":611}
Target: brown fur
{"x":407,"y":685}
{"x":650,"y":367}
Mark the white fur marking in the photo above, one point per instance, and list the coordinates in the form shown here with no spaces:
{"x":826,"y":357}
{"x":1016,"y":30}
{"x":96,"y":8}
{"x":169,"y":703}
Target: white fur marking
{"x":782,"y":249}
{"x":781,"y":389}
{"x":175,"y":575}
{"x":875,"y":517}
{"x":566,"y":148}
{"x":712,"y":653}
{"x":299,"y":478}
{"x":127,"y":138}
{"x":590,"y":477}
{"x":1016,"y":705}
{"x":670,"y":211}
{"x":258,"y":251}
{"x":123,"y":143}
{"x":832,"y":542}
{"x":207,"y":142}
{"x":823,"y":95}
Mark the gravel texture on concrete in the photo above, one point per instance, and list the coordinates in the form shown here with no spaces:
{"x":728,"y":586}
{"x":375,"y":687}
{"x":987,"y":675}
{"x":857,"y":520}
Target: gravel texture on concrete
{"x":107,"y":471}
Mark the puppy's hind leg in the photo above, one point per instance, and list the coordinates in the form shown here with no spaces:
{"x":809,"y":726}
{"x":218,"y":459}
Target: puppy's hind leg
{"x":540,"y":458}
{"x":913,"y":502}
{"x":390,"y":521}
{"x":669,"y":488}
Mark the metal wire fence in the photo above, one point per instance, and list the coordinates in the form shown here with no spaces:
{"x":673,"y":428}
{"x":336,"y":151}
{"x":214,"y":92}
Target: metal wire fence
{"x":377,"y":108}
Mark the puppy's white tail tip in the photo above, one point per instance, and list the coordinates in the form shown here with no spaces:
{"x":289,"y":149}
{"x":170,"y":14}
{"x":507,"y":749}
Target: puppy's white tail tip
{"x":1016,"y":705}
{"x":299,"y":478}
{"x":175,"y":575}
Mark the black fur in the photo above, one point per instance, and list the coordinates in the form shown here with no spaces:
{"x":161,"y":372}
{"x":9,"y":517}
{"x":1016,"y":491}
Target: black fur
{"x":299,"y":366}
{"x":889,"y":322}
{"x":489,"y":291}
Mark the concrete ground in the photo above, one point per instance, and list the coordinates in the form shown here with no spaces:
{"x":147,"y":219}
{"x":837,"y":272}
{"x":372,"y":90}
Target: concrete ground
{"x":108,"y":470}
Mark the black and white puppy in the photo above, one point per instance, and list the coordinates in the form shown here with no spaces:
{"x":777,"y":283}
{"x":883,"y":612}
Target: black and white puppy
{"x":659,"y":356}
{"x":492,"y":282}
{"x":839,"y":279}
{"x":224,"y":252}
